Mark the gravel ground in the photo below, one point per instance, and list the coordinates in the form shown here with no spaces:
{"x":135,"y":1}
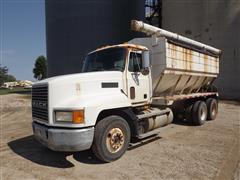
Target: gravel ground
{"x":180,"y":151}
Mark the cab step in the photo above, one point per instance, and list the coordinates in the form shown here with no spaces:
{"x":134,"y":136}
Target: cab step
{"x":150,"y":133}
{"x":142,"y":142}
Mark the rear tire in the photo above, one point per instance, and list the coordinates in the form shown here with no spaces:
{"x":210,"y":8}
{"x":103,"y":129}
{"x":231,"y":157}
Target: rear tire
{"x":212,"y":106}
{"x":188,"y":113}
{"x":199,"y":113}
{"x":111,"y":138}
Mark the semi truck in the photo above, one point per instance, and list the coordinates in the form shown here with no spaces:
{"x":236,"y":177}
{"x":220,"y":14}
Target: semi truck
{"x":127,"y":92}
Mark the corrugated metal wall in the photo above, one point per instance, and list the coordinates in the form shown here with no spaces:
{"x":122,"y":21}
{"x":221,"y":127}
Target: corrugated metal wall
{"x":216,"y":23}
{"x":75,"y":27}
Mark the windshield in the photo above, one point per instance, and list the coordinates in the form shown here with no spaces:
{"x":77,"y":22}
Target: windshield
{"x":112,"y":59}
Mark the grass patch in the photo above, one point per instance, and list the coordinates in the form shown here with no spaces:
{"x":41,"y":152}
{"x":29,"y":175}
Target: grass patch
{"x":16,"y":90}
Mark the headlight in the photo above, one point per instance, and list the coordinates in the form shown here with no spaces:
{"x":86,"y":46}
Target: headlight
{"x":62,"y":116}
{"x":75,"y":117}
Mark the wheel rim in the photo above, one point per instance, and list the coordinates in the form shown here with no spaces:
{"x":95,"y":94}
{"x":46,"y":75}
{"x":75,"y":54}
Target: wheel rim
{"x":203,"y":114}
{"x":115,"y":140}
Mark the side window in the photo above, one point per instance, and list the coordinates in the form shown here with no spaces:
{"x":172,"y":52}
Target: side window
{"x":135,"y":62}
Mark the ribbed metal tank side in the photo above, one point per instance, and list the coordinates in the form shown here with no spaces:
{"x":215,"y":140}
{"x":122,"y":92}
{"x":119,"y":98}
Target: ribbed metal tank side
{"x":76,"y":27}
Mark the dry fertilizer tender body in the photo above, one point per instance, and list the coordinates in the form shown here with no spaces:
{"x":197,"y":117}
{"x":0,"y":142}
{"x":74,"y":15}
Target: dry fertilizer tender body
{"x":127,"y":92}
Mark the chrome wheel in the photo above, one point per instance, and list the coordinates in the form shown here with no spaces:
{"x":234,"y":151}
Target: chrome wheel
{"x":212,"y":106}
{"x":203,"y":114}
{"x":115,"y":140}
{"x":199,"y":112}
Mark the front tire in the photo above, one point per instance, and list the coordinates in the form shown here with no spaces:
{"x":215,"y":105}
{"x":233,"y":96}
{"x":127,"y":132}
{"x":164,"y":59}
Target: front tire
{"x":111,"y":138}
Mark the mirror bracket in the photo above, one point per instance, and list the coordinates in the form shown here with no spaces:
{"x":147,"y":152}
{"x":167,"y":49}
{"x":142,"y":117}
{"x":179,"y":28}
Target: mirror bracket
{"x":145,"y":71}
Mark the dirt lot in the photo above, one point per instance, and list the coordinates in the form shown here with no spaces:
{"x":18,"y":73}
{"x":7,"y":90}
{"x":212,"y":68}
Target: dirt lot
{"x":180,"y":152}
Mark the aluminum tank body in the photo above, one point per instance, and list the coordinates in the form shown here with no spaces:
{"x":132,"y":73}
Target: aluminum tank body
{"x":75,"y":27}
{"x":178,"y":69}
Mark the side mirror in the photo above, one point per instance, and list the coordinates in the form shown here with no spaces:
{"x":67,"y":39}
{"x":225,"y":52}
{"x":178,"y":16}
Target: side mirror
{"x":146,"y":63}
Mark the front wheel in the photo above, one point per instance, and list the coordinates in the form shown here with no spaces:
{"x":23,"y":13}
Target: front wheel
{"x":111,"y":138}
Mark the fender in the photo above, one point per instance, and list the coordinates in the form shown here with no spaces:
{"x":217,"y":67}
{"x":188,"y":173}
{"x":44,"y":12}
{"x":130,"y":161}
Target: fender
{"x":125,"y":113}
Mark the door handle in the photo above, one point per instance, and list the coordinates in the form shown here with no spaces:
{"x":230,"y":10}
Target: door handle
{"x":132,"y":92}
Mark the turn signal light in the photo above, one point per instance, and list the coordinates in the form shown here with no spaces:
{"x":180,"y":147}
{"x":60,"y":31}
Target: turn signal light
{"x":78,"y":117}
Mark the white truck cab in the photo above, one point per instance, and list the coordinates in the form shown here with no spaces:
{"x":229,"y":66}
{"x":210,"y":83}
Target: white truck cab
{"x":66,"y":108}
{"x":125,"y":91}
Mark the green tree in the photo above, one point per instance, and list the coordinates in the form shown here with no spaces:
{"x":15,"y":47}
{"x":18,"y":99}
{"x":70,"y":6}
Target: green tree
{"x":4,"y":76}
{"x":40,"y":68}
{"x":10,"y":78}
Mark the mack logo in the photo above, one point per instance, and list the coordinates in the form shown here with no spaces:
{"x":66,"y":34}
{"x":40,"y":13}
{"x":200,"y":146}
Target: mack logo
{"x":39,"y":104}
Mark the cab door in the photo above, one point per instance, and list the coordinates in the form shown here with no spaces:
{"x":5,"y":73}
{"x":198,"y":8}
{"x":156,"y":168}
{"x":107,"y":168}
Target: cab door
{"x":138,"y":84}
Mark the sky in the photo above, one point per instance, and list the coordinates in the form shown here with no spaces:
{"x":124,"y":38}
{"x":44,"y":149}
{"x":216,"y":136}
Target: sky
{"x":22,"y":35}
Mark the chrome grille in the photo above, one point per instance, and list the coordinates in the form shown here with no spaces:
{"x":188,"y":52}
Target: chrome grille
{"x":40,"y":102}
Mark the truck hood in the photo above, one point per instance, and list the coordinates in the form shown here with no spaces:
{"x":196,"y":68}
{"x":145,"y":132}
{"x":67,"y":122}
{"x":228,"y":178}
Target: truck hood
{"x":81,"y":76}
{"x":68,"y":87}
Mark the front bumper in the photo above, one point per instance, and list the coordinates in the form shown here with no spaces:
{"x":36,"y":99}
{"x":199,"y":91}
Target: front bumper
{"x":59,"y":139}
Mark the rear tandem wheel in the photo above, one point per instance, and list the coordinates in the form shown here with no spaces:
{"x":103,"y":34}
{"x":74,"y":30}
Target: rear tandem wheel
{"x":212,"y":106}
